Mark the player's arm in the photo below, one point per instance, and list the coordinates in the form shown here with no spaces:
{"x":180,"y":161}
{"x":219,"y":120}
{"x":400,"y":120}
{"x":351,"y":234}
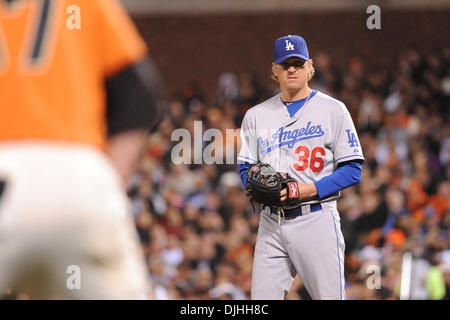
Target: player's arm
{"x":243,"y":173}
{"x":125,"y":150}
{"x":347,"y":174}
{"x":248,"y":153}
{"x":133,"y":110}
{"x":132,"y":86}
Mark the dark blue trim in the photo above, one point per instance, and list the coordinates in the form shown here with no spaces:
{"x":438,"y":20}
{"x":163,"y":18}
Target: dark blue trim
{"x":247,"y":158}
{"x":293,"y":107}
{"x":291,"y":213}
{"x":292,"y":142}
{"x":358,"y":155}
{"x":339,"y":256}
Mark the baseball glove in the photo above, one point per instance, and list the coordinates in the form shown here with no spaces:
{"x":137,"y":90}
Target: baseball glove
{"x":264,"y":186}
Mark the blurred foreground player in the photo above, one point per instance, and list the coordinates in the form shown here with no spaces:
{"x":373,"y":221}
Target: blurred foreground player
{"x":78,"y":96}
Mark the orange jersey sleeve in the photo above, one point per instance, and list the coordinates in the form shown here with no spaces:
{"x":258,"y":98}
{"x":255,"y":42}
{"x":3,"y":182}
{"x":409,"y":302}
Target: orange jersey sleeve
{"x":55,"y":56}
{"x":120,"y":45}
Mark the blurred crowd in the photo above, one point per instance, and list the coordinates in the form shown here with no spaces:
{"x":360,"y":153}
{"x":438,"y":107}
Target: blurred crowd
{"x":198,"y":229}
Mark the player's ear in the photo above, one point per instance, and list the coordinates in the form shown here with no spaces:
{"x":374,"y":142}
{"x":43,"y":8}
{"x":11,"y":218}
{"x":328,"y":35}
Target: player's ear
{"x":273,"y":76}
{"x":311,"y":70}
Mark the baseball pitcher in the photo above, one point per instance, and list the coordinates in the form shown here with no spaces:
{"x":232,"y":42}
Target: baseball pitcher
{"x":299,"y":149}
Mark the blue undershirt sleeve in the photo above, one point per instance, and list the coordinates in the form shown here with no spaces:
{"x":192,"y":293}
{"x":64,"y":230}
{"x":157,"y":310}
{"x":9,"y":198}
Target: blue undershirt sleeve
{"x":243,"y":173}
{"x":344,"y":177}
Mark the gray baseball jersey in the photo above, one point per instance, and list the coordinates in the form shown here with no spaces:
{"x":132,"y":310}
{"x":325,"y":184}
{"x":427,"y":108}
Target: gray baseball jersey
{"x":308,"y":146}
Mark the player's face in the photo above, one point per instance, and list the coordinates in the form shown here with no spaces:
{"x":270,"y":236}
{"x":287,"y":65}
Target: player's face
{"x":292,"y":73}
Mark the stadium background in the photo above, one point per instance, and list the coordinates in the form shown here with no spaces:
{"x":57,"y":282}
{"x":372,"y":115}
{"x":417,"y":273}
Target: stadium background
{"x":197,"y":227}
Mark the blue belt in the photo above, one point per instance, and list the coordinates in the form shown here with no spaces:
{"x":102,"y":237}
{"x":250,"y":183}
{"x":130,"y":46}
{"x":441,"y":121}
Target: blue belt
{"x":292,"y":213}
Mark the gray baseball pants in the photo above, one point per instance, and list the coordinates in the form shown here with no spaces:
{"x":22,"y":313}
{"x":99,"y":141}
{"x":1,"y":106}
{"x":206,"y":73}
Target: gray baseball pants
{"x":311,"y":245}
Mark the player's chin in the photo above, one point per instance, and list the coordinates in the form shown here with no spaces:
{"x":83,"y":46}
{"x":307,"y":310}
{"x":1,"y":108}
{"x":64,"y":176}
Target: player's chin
{"x":294,"y":81}
{"x":294,"y":86}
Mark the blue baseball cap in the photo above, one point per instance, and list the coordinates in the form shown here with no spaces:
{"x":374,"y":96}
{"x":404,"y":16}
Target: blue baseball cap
{"x":289,"y":46}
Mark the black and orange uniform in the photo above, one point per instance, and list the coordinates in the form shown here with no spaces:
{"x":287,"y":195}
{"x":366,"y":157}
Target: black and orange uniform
{"x":73,"y":74}
{"x":67,"y":66}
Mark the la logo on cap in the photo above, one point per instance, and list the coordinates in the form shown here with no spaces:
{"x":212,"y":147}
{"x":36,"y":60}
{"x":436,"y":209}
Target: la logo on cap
{"x":289,"y":45}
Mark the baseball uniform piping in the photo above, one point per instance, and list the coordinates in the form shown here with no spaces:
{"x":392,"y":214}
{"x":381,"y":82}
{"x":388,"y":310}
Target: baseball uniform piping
{"x":339,"y":256}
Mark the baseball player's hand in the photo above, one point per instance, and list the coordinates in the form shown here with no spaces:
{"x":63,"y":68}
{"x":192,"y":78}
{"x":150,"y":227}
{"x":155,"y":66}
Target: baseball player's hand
{"x":264,"y":185}
{"x":283,"y":194}
{"x":306,"y":191}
